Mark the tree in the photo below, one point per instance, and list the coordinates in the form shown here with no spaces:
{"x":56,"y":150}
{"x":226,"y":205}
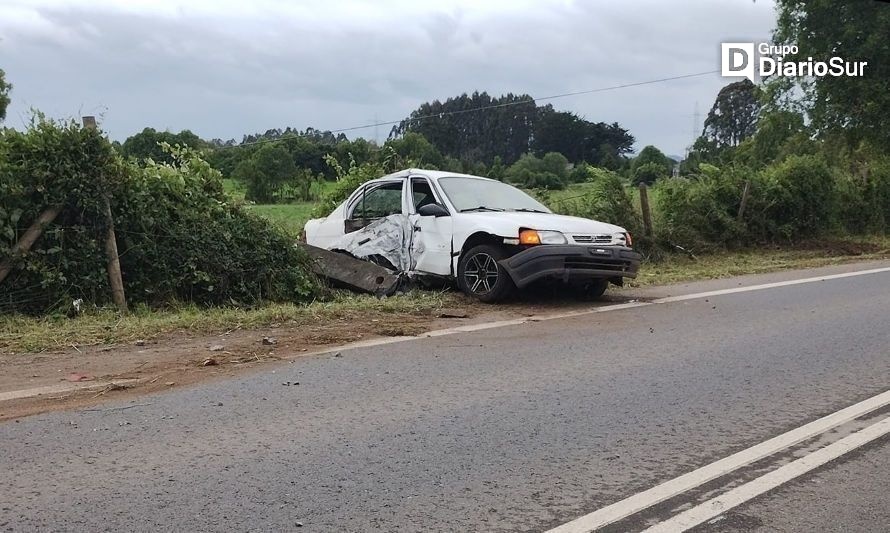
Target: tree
{"x":5,"y":87}
{"x":578,"y":139}
{"x":266,"y":171}
{"x":476,"y":128}
{"x":147,"y":144}
{"x":733,"y":117}
{"x":652,"y":155}
{"x":416,"y":150}
{"x":857,"y":30}
{"x":776,"y":130}
{"x":497,"y":170}
{"x":549,"y":172}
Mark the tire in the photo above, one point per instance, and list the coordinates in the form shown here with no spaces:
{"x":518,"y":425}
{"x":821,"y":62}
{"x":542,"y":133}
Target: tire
{"x":593,"y":290}
{"x":480,"y":275}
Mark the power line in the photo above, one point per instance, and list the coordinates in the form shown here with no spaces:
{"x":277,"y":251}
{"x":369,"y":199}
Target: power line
{"x":497,"y":106}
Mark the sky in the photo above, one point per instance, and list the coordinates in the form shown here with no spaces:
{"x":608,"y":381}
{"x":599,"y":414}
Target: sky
{"x":225,"y":68}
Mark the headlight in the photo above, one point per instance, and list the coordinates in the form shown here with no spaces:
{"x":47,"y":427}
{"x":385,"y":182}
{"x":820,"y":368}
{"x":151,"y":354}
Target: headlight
{"x":625,"y":237}
{"x":530,"y":236}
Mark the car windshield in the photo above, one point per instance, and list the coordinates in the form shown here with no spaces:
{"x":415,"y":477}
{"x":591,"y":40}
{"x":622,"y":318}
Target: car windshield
{"x":474,"y":194}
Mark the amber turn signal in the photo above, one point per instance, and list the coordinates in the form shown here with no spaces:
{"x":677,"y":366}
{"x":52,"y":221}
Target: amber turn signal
{"x":529,"y":236}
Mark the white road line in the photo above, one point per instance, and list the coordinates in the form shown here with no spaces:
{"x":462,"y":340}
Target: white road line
{"x":739,"y":495}
{"x":749,"y":288}
{"x":690,"y":480}
{"x":630,"y":305}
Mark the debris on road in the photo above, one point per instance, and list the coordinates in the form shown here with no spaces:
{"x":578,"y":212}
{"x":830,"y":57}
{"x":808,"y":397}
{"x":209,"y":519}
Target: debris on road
{"x":139,"y":342}
{"x":354,"y":274}
{"x":209,"y":362}
{"x":270,"y":341}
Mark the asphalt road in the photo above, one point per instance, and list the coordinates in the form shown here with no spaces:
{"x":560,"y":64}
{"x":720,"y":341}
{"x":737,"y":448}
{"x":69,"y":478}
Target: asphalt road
{"x":518,"y":428}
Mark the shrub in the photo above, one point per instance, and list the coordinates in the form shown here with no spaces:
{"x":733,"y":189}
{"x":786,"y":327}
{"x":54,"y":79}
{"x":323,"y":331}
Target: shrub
{"x":703,"y":211}
{"x":179,"y":239}
{"x":864,"y":200}
{"x":803,"y":198}
{"x":648,"y":173}
{"x":607,"y":201}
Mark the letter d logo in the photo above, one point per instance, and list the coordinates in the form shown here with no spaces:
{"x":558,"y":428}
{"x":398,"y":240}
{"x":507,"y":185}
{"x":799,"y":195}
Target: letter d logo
{"x":737,"y":60}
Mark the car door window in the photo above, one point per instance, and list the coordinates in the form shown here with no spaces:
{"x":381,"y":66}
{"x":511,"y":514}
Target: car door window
{"x":378,"y":202}
{"x":421,"y":193}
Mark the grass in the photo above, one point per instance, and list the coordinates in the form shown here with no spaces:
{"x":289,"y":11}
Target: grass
{"x":724,"y":264}
{"x":30,"y":334}
{"x":105,"y":326}
{"x":290,"y":217}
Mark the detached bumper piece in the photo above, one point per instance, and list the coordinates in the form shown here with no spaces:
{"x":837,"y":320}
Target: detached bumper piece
{"x":572,"y":263}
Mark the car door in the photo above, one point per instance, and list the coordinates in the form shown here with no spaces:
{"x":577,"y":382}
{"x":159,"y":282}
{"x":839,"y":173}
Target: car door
{"x":432,"y":235}
{"x":372,"y":202}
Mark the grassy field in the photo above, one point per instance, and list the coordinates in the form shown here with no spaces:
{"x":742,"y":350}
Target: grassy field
{"x":291,"y":217}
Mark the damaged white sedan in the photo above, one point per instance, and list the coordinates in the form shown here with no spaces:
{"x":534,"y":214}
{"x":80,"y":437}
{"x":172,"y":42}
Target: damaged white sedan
{"x":488,"y":236}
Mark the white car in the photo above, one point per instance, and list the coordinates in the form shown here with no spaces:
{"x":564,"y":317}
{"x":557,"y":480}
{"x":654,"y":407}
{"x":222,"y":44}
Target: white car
{"x":488,"y":236}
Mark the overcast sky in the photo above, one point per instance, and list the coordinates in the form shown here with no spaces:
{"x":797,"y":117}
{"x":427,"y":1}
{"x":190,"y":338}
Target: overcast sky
{"x":223,"y":68}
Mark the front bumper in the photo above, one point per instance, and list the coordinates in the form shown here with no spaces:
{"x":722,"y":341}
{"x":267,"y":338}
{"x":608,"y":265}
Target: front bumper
{"x":572,"y":262}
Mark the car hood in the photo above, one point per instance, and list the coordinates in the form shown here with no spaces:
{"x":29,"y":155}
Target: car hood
{"x":543,"y":221}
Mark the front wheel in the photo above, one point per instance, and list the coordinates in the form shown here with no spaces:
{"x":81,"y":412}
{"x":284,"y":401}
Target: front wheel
{"x":480,"y":275}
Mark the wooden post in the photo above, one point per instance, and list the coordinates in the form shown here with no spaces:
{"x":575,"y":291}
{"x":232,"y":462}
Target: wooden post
{"x":31,"y":235}
{"x":114,"y":264}
{"x":744,"y":202}
{"x":115,"y":279}
{"x":644,"y":206}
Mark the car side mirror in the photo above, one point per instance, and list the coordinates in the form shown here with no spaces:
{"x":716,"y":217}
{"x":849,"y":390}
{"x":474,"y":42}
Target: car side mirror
{"x":433,"y":210}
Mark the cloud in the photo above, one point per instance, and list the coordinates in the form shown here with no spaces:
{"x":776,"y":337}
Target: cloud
{"x":225,"y":68}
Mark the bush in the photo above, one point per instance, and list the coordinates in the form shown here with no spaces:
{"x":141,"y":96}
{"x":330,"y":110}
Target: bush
{"x":703,"y":211}
{"x":178,"y":237}
{"x":864,"y":200}
{"x":803,"y":198}
{"x":648,"y":173}
{"x":607,"y":201}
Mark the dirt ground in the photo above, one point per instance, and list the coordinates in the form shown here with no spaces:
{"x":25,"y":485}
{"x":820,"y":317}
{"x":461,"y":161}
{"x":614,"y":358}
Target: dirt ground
{"x":183,"y":359}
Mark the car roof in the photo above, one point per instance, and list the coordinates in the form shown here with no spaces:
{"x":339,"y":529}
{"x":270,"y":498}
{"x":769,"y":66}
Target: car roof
{"x":432,"y":174}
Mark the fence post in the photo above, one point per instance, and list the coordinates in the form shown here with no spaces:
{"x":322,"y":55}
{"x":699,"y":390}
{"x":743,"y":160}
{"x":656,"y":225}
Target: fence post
{"x":31,"y":235}
{"x":644,"y":206}
{"x":744,"y":202}
{"x":114,"y":265}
